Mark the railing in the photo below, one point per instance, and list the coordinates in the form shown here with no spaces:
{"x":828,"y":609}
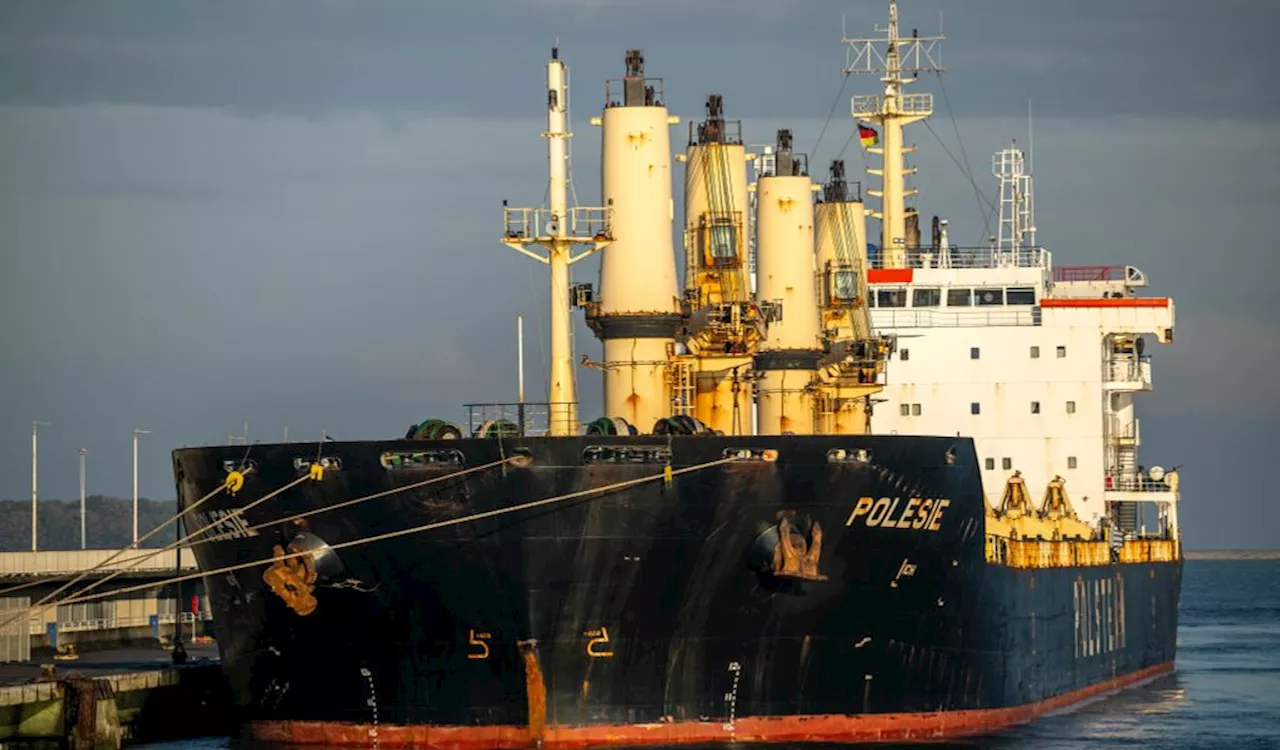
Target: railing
{"x":186,"y":617}
{"x":1134,"y":484}
{"x":1100,"y":274}
{"x":867,"y":105}
{"x":591,"y":221}
{"x":528,"y":224}
{"x":1148,"y":550}
{"x":915,"y":318}
{"x":968,"y":257}
{"x":1129,"y":370}
{"x":614,"y":86}
{"x":39,"y":627}
{"x":730,"y":135}
{"x":532,"y":419}
{"x":1089,"y":273}
{"x":1126,"y":433}
{"x":1038,"y":553}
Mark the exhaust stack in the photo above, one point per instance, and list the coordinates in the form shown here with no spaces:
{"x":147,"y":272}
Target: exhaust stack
{"x":788,"y":359}
{"x":638,"y":311}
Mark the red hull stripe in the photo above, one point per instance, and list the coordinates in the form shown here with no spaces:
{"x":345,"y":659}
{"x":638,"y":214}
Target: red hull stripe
{"x":890,"y":275}
{"x":812,"y":728}
{"x":1107,"y":302}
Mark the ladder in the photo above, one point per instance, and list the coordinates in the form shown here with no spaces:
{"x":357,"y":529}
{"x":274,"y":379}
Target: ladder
{"x":681,"y":384}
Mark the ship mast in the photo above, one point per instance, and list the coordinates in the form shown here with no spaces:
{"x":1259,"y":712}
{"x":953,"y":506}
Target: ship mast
{"x":901,"y":63}
{"x":557,"y":228}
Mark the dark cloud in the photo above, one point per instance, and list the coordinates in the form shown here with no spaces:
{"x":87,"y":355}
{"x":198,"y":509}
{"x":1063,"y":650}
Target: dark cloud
{"x":1145,"y":57}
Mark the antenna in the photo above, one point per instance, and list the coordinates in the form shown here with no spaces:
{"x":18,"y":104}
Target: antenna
{"x":900,"y":63}
{"x":520,"y":358}
{"x":1031,"y":143}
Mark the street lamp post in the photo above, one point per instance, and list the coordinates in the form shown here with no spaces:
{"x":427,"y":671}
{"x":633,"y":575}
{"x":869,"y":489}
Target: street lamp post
{"x":136,"y":433}
{"x":83,"y":536}
{"x":35,"y":494}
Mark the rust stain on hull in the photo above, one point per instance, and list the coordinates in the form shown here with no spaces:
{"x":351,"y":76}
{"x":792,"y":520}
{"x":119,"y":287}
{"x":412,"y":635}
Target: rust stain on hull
{"x":535,"y":688}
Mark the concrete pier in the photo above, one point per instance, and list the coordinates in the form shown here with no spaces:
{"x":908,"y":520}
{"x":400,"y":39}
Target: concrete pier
{"x":104,"y":704}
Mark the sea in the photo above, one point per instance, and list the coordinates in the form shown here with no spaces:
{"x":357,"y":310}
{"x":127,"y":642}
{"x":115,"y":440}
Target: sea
{"x":1225,"y":692}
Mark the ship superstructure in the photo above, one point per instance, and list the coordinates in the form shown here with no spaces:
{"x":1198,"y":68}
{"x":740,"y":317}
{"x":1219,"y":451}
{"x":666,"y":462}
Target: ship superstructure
{"x":1038,"y":364}
{"x":725,"y":553}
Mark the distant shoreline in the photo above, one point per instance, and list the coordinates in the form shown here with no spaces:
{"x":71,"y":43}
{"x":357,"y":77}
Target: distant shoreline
{"x":1231,"y":554}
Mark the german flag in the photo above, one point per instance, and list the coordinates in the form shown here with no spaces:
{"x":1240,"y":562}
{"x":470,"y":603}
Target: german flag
{"x":868,"y":135}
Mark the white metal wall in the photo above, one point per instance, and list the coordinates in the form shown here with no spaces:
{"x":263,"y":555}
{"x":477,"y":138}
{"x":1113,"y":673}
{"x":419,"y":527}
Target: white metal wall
{"x":939,"y":379}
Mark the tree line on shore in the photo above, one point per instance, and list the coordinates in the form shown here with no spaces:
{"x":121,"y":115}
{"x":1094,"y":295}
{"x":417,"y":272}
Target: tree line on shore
{"x":108,"y":523}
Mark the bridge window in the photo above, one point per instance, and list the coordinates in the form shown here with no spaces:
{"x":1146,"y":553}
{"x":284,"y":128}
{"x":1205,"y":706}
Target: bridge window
{"x":1071,"y":462}
{"x":926,"y":297}
{"x":891,"y":298}
{"x":1021,"y":295}
{"x":990,"y":463}
{"x":959,"y":297}
{"x":1035,"y":352}
{"x":975,"y":408}
{"x":1006,"y":463}
{"x":987,"y":297}
{"x":1035,"y":407}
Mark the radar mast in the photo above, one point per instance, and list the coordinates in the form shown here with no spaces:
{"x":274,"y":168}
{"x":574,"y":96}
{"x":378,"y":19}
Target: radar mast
{"x":557,"y":228}
{"x":900,"y":63}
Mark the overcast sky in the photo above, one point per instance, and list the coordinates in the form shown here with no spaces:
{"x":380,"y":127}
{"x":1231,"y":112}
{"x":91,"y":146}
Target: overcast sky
{"x":286,"y":211}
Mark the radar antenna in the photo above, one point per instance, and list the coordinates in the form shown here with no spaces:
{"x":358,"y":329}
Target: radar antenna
{"x":901,"y":62}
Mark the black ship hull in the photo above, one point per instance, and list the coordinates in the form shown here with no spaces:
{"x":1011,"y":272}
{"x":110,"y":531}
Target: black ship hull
{"x":758,"y":600}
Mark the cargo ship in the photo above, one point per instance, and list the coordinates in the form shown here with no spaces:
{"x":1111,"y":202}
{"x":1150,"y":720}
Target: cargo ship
{"x":805,"y":512}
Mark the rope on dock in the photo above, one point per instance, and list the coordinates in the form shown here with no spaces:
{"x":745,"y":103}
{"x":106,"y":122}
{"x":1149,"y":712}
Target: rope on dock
{"x":664,"y":475}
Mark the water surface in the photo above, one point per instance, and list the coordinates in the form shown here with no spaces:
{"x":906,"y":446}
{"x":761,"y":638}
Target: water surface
{"x":1224,"y":694}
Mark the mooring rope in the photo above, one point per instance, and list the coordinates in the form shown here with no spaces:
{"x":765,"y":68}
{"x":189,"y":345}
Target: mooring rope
{"x":135,"y":561}
{"x":376,"y":495}
{"x":665,"y":475}
{"x":234,"y":479}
